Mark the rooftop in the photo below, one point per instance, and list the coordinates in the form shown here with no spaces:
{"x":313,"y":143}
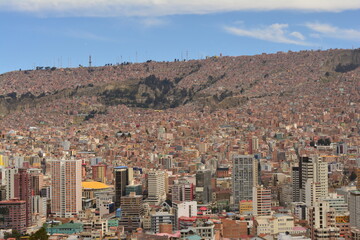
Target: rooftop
{"x":93,"y":185}
{"x":121,"y":167}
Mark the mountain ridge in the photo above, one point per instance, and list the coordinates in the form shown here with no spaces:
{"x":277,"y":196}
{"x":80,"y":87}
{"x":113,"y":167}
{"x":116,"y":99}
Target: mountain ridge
{"x":217,"y":82}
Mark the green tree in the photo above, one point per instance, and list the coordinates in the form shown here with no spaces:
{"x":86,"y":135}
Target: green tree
{"x":14,"y":234}
{"x":352,"y":176}
{"x":40,"y":234}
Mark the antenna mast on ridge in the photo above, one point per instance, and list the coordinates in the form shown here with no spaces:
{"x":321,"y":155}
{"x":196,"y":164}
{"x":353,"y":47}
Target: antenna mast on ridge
{"x":89,"y":60}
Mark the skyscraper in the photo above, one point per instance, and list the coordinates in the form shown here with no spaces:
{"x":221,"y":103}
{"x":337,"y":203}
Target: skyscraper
{"x":295,"y":177}
{"x":261,"y":201}
{"x":132,"y":210}
{"x":66,"y":187}
{"x":22,"y":191}
{"x":9,"y":182}
{"x":156,"y":187}
{"x":253,"y":144}
{"x":313,"y":178}
{"x":203,"y":186}
{"x":182,"y":190}
{"x":244,"y":177}
{"x":354,"y":208}
{"x":121,"y":175}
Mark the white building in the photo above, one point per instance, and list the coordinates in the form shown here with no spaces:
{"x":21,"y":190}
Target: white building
{"x":315,"y":169}
{"x":336,"y":202}
{"x":39,"y":205}
{"x":322,"y":221}
{"x":287,"y":236}
{"x":184,"y":209}
{"x":9,"y":182}
{"x":312,"y":192}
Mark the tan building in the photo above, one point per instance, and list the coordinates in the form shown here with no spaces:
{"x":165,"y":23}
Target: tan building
{"x":66,"y":187}
{"x":322,"y":222}
{"x":275,"y":224}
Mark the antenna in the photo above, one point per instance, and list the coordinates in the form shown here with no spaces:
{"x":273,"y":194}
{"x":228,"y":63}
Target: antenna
{"x":89,"y":60}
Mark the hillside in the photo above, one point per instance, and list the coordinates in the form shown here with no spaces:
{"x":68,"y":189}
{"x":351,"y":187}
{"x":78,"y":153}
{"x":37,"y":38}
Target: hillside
{"x":218,"y":83}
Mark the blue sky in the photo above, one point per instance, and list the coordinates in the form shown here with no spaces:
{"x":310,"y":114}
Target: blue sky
{"x":63,"y":33}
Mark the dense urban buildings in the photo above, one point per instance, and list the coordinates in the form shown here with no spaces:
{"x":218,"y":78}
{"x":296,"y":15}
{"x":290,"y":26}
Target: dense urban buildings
{"x":265,"y":147}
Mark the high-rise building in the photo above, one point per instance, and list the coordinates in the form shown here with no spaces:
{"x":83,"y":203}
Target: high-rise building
{"x":131,"y":210}
{"x":358,"y":180}
{"x":354,"y":208}
{"x":156,"y":187}
{"x":295,"y":177}
{"x":203,"y":186}
{"x":322,"y":222}
{"x":315,"y":169}
{"x":311,"y":192}
{"x":253,"y":144}
{"x":261,"y":201}
{"x":13,"y":215}
{"x":184,"y":209}
{"x":39,"y":205}
{"x":99,"y":173}
{"x":22,"y":191}
{"x":244,"y":177}
{"x":182,"y":190}
{"x":121,"y":176}
{"x":9,"y":182}
{"x":36,"y":180}
{"x":66,"y":187}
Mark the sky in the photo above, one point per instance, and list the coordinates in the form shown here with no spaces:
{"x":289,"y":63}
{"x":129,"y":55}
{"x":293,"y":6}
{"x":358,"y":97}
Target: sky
{"x":64,"y":33}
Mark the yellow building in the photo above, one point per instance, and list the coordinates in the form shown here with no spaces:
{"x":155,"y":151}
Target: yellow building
{"x":245,"y":207}
{"x":4,"y":161}
{"x":90,"y":187}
